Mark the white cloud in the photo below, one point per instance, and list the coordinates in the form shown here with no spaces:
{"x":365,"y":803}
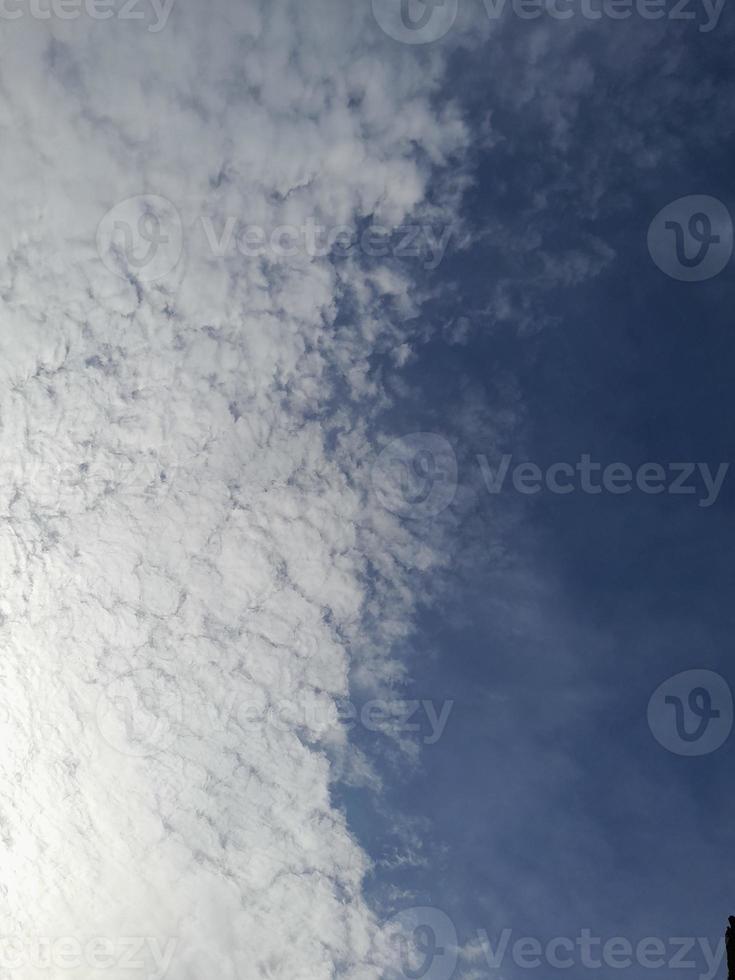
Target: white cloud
{"x":187,"y":522}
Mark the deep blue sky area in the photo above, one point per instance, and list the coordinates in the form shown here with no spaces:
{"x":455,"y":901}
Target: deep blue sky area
{"x":547,"y":806}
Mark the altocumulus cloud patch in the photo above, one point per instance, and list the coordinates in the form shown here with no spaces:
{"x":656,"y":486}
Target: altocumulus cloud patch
{"x":186,"y":518}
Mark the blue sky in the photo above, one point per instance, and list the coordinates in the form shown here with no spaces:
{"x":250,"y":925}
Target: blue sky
{"x":547,"y":806}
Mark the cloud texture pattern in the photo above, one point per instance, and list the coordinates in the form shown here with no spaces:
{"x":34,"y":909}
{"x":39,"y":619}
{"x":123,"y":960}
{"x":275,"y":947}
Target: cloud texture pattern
{"x":189,"y":538}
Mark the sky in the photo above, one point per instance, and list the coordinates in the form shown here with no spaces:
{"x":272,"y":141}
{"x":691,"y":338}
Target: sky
{"x":366,"y":512}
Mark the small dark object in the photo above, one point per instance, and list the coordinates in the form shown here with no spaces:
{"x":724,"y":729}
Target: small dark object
{"x":730,"y":947}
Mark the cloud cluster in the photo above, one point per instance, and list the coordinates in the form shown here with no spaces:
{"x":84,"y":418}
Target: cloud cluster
{"x":185,"y":495}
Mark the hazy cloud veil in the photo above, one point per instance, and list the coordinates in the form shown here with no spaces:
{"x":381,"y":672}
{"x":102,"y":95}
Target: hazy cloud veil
{"x":188,"y":524}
